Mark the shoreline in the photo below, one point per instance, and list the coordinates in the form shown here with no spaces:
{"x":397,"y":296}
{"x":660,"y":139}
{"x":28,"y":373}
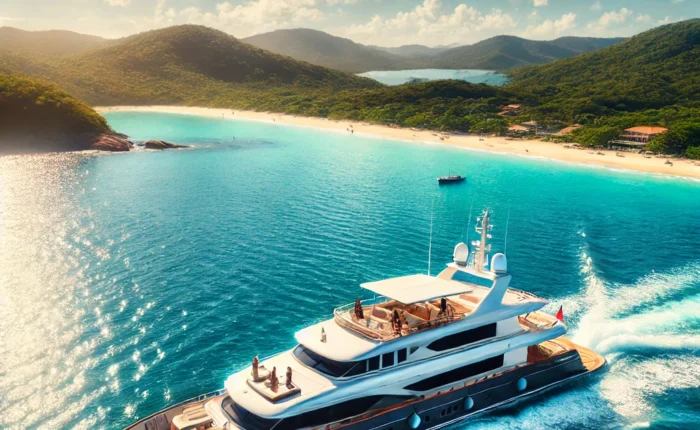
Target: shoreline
{"x":526,"y":148}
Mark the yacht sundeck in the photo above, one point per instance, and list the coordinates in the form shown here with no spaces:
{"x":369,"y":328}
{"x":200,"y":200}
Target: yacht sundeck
{"x":426,"y":352}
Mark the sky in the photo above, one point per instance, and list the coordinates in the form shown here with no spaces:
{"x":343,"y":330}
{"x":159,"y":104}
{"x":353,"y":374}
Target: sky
{"x":376,"y":22}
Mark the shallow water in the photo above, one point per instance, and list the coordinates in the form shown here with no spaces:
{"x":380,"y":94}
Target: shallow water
{"x":130,"y":281}
{"x":475,"y":76}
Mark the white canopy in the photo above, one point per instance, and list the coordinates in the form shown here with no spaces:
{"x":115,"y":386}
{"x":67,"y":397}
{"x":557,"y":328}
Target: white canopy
{"x":416,"y":288}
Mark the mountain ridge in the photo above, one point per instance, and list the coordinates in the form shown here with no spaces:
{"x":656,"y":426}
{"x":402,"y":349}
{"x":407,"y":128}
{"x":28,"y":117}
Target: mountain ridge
{"x":496,"y":53}
{"x":176,"y":65}
{"x":48,"y":42}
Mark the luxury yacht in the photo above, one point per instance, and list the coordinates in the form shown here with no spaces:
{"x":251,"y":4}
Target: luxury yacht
{"x":424,"y":353}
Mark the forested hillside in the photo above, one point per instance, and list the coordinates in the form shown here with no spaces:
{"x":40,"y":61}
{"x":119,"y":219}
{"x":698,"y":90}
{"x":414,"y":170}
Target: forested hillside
{"x":652,"y":78}
{"x":36,"y":115}
{"x":507,"y":52}
{"x":47,"y":43}
{"x":180,"y":65}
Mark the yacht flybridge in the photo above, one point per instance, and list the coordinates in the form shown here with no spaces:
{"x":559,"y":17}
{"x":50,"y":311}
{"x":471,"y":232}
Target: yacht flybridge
{"x":424,"y":353}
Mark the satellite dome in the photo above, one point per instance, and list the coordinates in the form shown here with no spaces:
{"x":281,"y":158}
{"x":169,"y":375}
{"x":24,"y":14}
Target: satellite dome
{"x":499,"y":264}
{"x":461,"y":254}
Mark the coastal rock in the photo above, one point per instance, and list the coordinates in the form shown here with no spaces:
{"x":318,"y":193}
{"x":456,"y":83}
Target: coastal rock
{"x":112,"y":143}
{"x":161,"y":144}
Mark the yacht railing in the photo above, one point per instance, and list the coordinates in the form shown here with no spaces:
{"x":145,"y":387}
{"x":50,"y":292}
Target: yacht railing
{"x":198,"y":399}
{"x":523,"y":295}
{"x":384,"y":330}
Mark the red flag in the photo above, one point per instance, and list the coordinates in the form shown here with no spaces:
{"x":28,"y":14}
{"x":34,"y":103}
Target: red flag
{"x":560,"y":314}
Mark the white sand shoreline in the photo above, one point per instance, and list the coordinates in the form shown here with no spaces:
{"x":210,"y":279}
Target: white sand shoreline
{"x":497,"y":145}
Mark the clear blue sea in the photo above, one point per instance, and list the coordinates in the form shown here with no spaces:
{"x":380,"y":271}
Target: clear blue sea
{"x":130,"y":281}
{"x":475,"y":76}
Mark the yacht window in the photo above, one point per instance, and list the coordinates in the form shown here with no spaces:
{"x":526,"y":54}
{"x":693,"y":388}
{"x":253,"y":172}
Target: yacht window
{"x":414,"y":349}
{"x":464,"y":338}
{"x":388,"y":359}
{"x":373,"y":363}
{"x":326,"y":365}
{"x":457,"y":374}
{"x":243,"y":417}
{"x":340,"y":411}
{"x":401,"y":355}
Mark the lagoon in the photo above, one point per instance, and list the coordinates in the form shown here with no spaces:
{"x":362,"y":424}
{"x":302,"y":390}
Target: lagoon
{"x":474,"y":76}
{"x":130,"y":281}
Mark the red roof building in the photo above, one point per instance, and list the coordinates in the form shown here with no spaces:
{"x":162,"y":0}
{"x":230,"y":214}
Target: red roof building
{"x":642,"y":134}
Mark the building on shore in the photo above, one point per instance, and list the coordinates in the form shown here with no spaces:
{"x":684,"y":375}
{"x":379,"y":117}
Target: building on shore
{"x":567,"y":130}
{"x":518,"y":130}
{"x":637,"y":137}
{"x":510,"y":110}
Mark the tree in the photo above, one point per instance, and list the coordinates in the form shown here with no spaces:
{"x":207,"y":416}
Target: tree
{"x":693,"y":152}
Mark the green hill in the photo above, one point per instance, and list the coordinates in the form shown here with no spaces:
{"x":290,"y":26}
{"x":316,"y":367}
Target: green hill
{"x":507,"y":52}
{"x":181,"y":65}
{"x":326,"y":50}
{"x":52,"y":42}
{"x":585,"y":44}
{"x":413,"y":51}
{"x":650,"y":79}
{"x":651,"y":70}
{"x":38,"y":116}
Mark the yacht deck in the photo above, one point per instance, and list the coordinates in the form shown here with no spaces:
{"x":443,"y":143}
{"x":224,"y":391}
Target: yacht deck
{"x":384,"y":320}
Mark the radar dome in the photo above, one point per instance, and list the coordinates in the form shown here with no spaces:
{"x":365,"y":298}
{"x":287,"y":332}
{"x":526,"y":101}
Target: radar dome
{"x":461,"y":254}
{"x":499,"y":264}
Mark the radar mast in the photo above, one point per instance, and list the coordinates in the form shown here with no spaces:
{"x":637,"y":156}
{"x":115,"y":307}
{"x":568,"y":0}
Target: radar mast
{"x":482,"y":247}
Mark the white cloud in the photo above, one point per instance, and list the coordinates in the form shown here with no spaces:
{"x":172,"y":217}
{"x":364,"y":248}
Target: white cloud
{"x":668,"y":20}
{"x":614,"y":17}
{"x":337,"y":2}
{"x":250,"y":17}
{"x":428,"y":24}
{"x":643,"y":18}
{"x":122,"y":3}
{"x":540,"y":3}
{"x":551,"y":29}
{"x":597,"y":5}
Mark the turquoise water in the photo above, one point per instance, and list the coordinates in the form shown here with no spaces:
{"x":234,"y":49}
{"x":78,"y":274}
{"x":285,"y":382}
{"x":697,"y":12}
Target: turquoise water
{"x":475,"y":76}
{"x":130,"y":281}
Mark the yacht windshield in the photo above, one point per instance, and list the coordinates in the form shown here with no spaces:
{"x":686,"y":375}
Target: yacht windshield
{"x":244,"y":418}
{"x":330,"y":367}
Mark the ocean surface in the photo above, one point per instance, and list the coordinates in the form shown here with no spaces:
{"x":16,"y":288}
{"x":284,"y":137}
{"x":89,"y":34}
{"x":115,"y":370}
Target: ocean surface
{"x":475,"y":76}
{"x":131,"y":281}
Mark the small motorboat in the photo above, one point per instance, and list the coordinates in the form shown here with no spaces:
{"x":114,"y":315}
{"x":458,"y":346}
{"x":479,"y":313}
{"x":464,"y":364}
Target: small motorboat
{"x":450,"y":179}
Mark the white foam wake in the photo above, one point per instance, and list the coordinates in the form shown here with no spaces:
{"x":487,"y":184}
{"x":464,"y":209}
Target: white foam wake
{"x":651,"y":351}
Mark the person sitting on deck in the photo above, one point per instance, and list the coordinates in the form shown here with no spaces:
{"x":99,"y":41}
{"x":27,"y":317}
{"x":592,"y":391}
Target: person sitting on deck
{"x":358,"y":309}
{"x":396,"y":322}
{"x":443,"y":307}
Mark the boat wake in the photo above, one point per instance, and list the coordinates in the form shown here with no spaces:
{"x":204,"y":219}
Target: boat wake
{"x":648,"y":331}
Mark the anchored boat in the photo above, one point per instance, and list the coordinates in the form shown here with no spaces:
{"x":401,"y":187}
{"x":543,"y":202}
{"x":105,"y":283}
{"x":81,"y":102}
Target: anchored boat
{"x":425,"y":352}
{"x":450,"y":179}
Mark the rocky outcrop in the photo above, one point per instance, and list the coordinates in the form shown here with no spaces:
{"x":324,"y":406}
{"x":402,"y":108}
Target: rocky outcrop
{"x":112,"y":143}
{"x":161,"y":144}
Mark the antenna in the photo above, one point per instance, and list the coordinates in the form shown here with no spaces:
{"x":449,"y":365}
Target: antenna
{"x":430,"y":245}
{"x":469,"y":222}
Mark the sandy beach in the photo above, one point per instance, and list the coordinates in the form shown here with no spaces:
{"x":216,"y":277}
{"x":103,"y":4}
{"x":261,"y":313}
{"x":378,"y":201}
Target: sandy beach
{"x":530,"y":148}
